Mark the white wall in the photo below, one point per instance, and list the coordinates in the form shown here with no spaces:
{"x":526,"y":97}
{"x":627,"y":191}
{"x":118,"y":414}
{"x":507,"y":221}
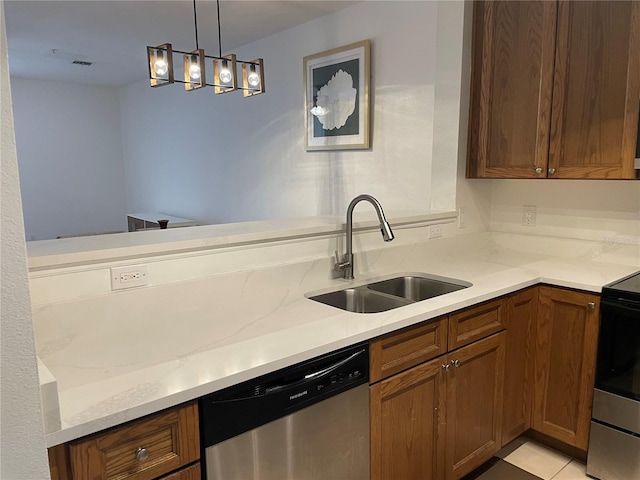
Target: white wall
{"x":23,"y":453}
{"x":70,"y":151}
{"x":226,"y":158}
{"x":600,"y":210}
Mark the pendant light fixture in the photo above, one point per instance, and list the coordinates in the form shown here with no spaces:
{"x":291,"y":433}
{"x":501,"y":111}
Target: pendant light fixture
{"x":161,"y":72}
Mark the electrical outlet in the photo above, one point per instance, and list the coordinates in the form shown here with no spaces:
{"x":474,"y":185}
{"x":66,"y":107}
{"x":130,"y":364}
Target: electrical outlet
{"x":128,"y":277}
{"x":435,"y":231}
{"x":529,"y":215}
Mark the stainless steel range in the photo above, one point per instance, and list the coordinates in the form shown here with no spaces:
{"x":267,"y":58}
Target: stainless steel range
{"x":614,"y":444}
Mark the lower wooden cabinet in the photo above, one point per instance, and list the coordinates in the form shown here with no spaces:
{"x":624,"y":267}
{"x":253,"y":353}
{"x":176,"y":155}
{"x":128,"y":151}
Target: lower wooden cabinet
{"x":518,"y":372}
{"x":145,"y":449}
{"x":440,"y":419}
{"x":407,"y":424}
{"x":474,"y":405}
{"x":189,"y":473}
{"x":565,"y":351}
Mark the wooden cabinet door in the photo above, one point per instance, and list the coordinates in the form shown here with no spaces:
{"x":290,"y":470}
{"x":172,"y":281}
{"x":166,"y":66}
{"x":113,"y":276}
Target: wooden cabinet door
{"x":171,"y":440}
{"x":566,"y":345}
{"x":514,"y":44}
{"x":407,"y":424}
{"x":407,"y":348}
{"x":518,"y":366}
{"x":474,"y":323}
{"x":189,"y":473}
{"x":474,"y":405}
{"x":596,"y":89}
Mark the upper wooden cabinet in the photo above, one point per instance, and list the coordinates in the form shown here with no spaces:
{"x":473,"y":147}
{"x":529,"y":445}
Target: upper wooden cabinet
{"x":555,"y":89}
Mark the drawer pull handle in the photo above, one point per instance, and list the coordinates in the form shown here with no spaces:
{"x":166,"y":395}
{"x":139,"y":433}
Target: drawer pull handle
{"x":446,"y":367}
{"x":538,"y":171}
{"x":591,"y":305}
{"x":455,"y":363}
{"x":142,"y":454}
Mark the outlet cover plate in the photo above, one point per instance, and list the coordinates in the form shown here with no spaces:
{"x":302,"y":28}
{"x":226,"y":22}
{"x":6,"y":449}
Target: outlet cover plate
{"x":129,"y":276}
{"x":435,"y":231}
{"x":529,"y":215}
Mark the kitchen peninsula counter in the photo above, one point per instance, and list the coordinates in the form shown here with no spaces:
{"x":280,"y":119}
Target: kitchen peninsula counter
{"x":124,"y":355}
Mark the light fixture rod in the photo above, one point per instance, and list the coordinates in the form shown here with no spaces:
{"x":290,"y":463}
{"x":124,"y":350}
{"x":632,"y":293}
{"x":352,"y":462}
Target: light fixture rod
{"x":211,"y":56}
{"x":219,"y":33}
{"x":213,"y":85}
{"x":195,"y":23}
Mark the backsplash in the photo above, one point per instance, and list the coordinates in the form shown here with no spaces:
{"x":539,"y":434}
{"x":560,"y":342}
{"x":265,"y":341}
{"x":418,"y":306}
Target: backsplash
{"x":71,"y":282}
{"x":605,"y":211}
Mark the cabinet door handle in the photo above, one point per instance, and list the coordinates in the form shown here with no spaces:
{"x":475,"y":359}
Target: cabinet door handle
{"x":552,"y":171}
{"x":591,"y":305}
{"x":142,"y":454}
{"x":455,"y":363}
{"x":538,"y":171}
{"x":446,"y":367}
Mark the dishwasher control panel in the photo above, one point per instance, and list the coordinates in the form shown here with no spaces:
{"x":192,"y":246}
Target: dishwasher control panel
{"x":245,"y":406}
{"x":340,"y":379}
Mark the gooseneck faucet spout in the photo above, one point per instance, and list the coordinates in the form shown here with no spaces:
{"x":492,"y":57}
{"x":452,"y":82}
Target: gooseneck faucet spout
{"x":346,"y":266}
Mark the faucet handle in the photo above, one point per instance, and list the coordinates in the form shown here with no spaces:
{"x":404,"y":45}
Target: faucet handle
{"x":340,"y":264}
{"x":343,"y":268}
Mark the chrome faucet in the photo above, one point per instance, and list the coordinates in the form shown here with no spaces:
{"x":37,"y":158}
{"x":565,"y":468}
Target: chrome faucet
{"x":346,"y":266}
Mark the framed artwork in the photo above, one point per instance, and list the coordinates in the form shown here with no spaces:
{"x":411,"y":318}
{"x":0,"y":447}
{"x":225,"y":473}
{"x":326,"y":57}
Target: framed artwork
{"x":336,"y":91}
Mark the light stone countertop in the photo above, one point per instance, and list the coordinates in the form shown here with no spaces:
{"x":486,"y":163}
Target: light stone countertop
{"x":122,"y":356}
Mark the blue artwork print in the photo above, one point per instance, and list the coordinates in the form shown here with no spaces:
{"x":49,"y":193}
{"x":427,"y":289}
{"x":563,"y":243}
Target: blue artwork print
{"x":336,"y":99}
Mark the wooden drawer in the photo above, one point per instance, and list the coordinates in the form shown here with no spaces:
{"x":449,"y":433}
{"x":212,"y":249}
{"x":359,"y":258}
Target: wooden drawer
{"x":189,"y":473}
{"x":477,"y":322}
{"x":171,"y":439}
{"x":399,"y":351}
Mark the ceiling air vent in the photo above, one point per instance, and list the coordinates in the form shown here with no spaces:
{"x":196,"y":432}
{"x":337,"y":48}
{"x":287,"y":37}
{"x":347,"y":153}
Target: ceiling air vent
{"x":82,"y":63}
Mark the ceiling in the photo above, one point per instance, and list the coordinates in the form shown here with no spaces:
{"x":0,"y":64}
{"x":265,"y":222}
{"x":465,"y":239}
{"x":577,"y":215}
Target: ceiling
{"x":45,"y":37}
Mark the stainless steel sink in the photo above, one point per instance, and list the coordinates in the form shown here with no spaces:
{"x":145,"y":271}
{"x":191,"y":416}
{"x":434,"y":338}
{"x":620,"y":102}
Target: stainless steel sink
{"x":383,"y":295}
{"x":417,"y":288}
{"x":360,"y":300}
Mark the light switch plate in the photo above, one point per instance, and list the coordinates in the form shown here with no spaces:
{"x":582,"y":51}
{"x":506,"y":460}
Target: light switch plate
{"x":529,"y":215}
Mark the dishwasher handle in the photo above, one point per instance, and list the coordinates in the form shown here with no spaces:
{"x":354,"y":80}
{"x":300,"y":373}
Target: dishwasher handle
{"x":315,"y":375}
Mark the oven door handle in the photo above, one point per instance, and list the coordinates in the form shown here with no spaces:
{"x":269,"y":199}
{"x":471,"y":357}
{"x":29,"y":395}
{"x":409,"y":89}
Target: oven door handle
{"x":625,"y":305}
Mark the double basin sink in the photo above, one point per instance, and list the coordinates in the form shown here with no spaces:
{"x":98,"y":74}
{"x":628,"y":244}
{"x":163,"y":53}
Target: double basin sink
{"x":383,"y":295}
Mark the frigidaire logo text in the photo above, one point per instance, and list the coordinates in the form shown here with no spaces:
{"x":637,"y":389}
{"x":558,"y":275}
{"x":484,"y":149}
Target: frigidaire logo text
{"x":298,"y":395}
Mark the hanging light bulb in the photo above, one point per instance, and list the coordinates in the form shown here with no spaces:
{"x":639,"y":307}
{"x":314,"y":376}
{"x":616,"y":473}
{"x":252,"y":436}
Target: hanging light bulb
{"x":224,"y":72}
{"x":194,"y":71}
{"x":253,"y":78}
{"x":160,"y":61}
{"x":225,"y":75}
{"x":194,"y":75}
{"x":161,"y":66}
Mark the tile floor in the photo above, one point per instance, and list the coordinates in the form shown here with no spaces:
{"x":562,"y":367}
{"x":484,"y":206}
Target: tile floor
{"x":524,"y":459}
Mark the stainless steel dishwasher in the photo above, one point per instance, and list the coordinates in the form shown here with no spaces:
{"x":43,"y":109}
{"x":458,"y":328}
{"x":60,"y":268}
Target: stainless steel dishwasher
{"x":306,"y":422}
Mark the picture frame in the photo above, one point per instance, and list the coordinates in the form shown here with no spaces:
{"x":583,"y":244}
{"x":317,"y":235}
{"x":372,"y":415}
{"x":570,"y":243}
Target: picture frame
{"x":336,"y":92}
